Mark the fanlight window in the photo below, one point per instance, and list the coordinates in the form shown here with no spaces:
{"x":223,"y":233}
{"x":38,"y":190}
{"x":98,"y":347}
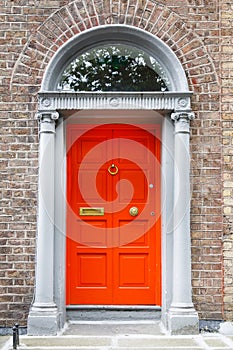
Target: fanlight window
{"x":114,"y":68}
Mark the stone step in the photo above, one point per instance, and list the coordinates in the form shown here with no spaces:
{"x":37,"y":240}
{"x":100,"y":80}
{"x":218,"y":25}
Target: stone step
{"x":64,"y":342}
{"x":122,"y":342}
{"x":127,"y":342}
{"x":95,"y":335}
{"x":112,"y":335}
{"x":112,"y":328}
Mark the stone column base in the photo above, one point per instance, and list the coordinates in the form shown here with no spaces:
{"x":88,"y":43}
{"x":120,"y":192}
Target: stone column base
{"x":183,"y":321}
{"x":43,"y":321}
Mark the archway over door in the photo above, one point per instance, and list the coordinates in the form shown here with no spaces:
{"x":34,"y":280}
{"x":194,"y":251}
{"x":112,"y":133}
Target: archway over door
{"x":104,"y":35}
{"x":48,"y":311}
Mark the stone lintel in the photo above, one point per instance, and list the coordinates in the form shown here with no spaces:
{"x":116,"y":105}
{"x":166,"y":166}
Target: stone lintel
{"x":68,"y":100}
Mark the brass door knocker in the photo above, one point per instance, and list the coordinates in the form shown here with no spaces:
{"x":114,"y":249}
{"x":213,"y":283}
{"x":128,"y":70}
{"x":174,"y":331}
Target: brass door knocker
{"x":113,"y":169}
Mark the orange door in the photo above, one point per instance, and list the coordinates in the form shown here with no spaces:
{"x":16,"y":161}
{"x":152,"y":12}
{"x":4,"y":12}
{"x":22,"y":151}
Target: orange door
{"x":113,"y":214}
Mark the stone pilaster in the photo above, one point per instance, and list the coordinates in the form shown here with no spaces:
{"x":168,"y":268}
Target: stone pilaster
{"x":182,"y":317}
{"x":43,"y":316}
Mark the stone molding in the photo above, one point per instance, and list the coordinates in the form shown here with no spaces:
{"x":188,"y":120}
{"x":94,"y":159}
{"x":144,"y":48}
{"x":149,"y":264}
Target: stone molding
{"x":172,"y":101}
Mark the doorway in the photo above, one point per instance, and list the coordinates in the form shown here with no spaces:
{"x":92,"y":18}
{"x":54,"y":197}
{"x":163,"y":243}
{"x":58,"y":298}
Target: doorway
{"x":55,"y":106}
{"x":113,"y":214}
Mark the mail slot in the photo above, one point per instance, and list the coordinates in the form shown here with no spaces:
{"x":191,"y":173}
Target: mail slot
{"x":91,"y":211}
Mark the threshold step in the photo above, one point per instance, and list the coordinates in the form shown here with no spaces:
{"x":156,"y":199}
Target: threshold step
{"x":127,"y":313}
{"x":113,"y":328}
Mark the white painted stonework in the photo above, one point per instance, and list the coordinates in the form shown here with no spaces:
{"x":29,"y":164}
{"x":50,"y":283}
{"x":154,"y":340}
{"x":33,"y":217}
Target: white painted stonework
{"x":178,"y":101}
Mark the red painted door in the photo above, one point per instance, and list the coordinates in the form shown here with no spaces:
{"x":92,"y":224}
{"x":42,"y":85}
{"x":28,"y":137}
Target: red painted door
{"x":113,"y":214}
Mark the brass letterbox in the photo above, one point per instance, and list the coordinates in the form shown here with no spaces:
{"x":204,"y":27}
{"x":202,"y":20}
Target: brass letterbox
{"x":91,"y":211}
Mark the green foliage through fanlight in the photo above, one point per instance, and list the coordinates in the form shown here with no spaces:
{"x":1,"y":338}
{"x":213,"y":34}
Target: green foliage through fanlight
{"x":114,"y":68}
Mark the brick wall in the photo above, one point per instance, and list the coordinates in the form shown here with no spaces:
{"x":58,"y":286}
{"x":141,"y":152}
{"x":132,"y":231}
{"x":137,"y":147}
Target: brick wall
{"x":199,"y":32}
{"x":226,"y":70}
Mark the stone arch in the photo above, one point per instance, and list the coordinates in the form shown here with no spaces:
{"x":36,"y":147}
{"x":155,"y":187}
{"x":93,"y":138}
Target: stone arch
{"x":75,"y":18}
{"x":118,"y":33}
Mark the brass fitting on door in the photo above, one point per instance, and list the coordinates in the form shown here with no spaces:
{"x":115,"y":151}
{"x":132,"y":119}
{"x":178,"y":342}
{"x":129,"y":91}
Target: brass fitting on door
{"x":133,"y":211}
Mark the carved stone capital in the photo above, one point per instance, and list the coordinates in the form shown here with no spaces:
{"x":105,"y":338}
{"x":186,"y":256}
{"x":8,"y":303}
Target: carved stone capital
{"x":53,"y":115}
{"x":189,"y":115}
{"x":182,"y":121}
{"x":47,"y":121}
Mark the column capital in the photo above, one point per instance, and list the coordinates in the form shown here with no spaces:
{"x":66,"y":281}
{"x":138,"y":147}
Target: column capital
{"x":47,"y":121}
{"x":182,"y":121}
{"x":189,"y":115}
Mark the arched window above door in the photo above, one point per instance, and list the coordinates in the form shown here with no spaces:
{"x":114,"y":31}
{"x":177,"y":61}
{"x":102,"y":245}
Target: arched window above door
{"x":161,"y":60}
{"x":114,"y":67}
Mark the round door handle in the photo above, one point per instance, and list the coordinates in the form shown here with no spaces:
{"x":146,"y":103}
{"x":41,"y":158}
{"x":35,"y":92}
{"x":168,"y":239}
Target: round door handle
{"x":133,"y":211}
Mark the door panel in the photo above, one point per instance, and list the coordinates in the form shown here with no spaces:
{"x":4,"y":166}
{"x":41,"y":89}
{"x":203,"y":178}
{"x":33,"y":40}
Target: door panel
{"x":87,"y":281}
{"x":89,"y":237}
{"x":88,"y":263}
{"x":138,"y":181}
{"x":112,"y":256}
{"x":133,"y":270}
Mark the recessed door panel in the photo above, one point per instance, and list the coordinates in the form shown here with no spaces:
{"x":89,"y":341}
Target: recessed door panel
{"x":87,"y":146}
{"x":137,"y":152}
{"x":88,"y":266}
{"x":90,"y":193}
{"x":133,"y":270}
{"x":93,"y":233}
{"x":138,"y":181}
{"x":113,"y":215}
{"x":138,"y":239}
